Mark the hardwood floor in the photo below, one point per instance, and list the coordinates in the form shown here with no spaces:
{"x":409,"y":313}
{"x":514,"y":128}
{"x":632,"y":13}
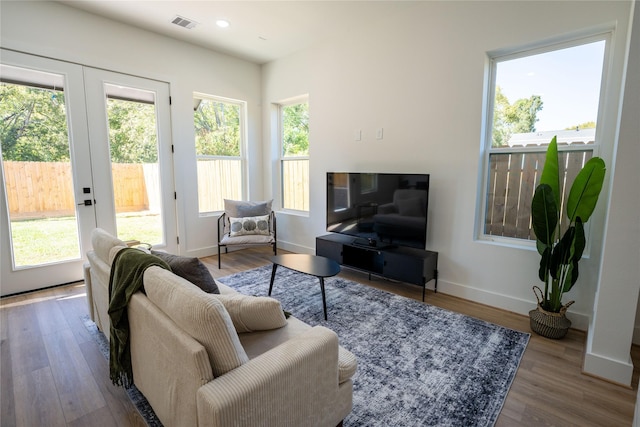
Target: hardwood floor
{"x":52,"y":372}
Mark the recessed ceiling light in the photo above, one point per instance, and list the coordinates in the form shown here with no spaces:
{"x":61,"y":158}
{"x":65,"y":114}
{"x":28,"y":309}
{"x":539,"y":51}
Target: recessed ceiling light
{"x":222,"y":23}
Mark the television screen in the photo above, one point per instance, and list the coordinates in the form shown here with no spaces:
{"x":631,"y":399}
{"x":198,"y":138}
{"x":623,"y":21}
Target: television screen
{"x":379,"y":209}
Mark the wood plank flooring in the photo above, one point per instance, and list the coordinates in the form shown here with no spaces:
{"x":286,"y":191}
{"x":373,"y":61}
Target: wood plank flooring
{"x":52,"y":372}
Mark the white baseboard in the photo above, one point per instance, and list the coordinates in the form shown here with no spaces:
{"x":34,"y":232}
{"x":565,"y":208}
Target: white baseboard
{"x":298,"y":249}
{"x":579,"y":321}
{"x":213,"y":250}
{"x":612,"y":370}
{"x":202,"y":252}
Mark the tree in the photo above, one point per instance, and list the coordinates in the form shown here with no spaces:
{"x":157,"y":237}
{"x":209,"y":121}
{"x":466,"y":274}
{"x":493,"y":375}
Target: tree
{"x":33,"y":124}
{"x":519,"y":117}
{"x":132,"y":132}
{"x":33,"y":127}
{"x":217,"y":128}
{"x":585,"y":125}
{"x":295,"y":141}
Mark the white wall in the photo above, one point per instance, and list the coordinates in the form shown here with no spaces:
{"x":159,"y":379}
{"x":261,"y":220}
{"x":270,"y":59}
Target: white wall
{"x":420,"y":75}
{"x":57,"y":31}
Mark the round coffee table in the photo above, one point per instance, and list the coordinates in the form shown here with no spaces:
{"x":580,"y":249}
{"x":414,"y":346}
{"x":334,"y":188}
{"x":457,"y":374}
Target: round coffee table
{"x":312,"y":265}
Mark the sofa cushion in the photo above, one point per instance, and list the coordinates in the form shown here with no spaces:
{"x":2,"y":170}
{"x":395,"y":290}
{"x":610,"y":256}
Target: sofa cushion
{"x":102,"y":243}
{"x":260,"y":342}
{"x":199,"y":314}
{"x":250,"y":313}
{"x":113,"y":252}
{"x":190,"y":268}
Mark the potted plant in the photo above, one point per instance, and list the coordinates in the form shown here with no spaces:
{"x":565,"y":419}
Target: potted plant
{"x":560,"y":250}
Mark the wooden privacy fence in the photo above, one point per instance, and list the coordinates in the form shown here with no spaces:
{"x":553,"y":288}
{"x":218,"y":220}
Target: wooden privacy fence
{"x":37,"y":189}
{"x":295,"y":178}
{"x":218,"y":179}
{"x":513,"y":178}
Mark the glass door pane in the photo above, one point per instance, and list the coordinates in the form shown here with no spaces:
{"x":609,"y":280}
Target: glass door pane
{"x":133,"y":142}
{"x":37,"y":167}
{"x":132,"y":157}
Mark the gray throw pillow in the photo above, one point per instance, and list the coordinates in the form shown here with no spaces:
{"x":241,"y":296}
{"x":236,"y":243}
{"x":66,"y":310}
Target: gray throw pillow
{"x":191,"y":269}
{"x":242,"y":208}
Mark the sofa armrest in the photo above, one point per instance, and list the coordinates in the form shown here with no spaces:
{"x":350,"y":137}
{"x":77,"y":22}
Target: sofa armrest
{"x":295,"y":383}
{"x":169,"y":366}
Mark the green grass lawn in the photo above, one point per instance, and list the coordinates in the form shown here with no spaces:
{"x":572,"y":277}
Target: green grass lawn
{"x":41,"y":241}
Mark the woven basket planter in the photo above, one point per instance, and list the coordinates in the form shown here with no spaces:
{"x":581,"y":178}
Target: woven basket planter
{"x":547,"y":323}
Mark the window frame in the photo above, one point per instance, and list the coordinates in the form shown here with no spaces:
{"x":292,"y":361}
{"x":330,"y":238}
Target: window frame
{"x":492,"y":59}
{"x":302,"y":99}
{"x":242,"y":115}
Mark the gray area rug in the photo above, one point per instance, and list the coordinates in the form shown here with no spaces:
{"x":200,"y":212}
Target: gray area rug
{"x":418,"y":365}
{"x":137,"y":398}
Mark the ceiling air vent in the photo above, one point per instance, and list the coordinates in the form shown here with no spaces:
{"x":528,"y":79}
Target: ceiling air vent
{"x":184,"y":22}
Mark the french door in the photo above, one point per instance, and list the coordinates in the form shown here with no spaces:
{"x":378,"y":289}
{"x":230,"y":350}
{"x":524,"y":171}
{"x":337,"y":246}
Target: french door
{"x":130,"y":144}
{"x":68,"y":166}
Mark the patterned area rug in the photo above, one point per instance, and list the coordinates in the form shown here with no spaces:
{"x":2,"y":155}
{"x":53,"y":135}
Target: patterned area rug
{"x":137,"y":398}
{"x":418,"y":365}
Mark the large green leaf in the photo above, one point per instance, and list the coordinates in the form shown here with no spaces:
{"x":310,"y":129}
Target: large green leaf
{"x":544,"y":212}
{"x":579,"y":243}
{"x":550,"y":172}
{"x":544,"y":265}
{"x":586,"y":190}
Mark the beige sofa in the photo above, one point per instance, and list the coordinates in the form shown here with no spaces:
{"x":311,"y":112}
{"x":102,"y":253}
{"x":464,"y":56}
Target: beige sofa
{"x":196,"y":369}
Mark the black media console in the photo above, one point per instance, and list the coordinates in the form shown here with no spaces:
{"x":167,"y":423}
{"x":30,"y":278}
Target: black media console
{"x":410,"y":265}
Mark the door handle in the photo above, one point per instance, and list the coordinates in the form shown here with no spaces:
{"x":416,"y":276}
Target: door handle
{"x":87,"y":202}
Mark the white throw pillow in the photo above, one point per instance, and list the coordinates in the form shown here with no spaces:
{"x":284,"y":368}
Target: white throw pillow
{"x":249,"y":225}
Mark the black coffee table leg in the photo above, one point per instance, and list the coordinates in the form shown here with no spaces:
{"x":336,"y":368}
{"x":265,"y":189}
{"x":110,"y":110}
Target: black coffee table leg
{"x":324,"y":300}
{"x":273,"y":276}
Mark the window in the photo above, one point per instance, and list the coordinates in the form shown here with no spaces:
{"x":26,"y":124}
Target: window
{"x":219,"y":135}
{"x":537,"y":95}
{"x":294,"y":125}
{"x":369,"y":183}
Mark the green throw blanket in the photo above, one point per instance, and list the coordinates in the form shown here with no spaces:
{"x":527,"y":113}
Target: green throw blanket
{"x":125,"y":280}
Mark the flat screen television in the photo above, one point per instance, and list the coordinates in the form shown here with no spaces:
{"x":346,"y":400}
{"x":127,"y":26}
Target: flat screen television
{"x":379,"y":209}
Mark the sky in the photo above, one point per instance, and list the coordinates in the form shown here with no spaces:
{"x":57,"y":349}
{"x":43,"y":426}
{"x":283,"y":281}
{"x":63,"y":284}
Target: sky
{"x":567,"y":80}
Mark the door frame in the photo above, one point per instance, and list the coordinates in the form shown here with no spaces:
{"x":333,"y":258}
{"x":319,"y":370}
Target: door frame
{"x":22,"y":279}
{"x":85,"y":101}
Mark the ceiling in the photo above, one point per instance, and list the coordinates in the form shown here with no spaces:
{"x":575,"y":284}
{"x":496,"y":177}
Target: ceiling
{"x":260,"y":31}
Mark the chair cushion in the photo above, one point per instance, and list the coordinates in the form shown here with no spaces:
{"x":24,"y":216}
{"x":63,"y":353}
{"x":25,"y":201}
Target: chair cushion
{"x":249,"y":225}
{"x":199,"y":314}
{"x":190,"y":268}
{"x":250,"y":313}
{"x":247,"y":239}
